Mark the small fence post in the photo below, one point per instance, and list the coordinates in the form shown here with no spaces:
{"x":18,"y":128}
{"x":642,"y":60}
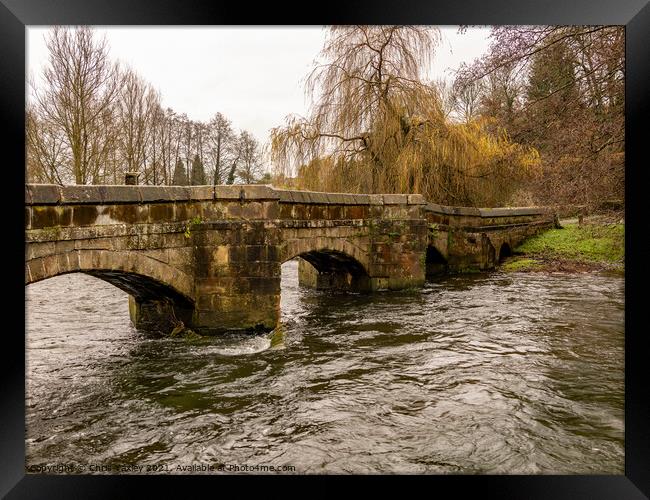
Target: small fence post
{"x":131,"y":178}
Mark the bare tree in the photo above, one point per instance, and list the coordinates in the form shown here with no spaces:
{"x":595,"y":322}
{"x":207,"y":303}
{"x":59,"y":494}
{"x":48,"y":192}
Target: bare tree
{"x":156,"y":144}
{"x":466,"y":101}
{"x":221,"y":145}
{"x":250,"y":158}
{"x":188,"y":136}
{"x":136,"y":105}
{"x":89,"y":122}
{"x":77,"y":98}
{"x":564,"y":95}
{"x":46,"y":150}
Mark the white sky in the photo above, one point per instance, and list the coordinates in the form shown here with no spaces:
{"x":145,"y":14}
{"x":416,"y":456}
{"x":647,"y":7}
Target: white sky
{"x":253,"y":75}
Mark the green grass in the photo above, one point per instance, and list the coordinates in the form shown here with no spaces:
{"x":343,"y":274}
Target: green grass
{"x":589,"y":242}
{"x":519,"y":264}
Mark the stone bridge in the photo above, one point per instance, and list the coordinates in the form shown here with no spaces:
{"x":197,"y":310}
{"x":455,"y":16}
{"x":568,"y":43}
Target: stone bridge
{"x":211,"y":255}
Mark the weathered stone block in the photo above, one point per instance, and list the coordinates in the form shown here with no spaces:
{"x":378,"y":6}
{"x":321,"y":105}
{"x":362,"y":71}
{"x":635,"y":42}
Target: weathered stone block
{"x":395,"y":199}
{"x":205,"y":301}
{"x":271,"y":210}
{"x":95,"y":243}
{"x":36,"y":270}
{"x":300,"y":197}
{"x":201,"y":193}
{"x":272,"y":253}
{"x":229,"y":193}
{"x":120,"y":194}
{"x":51,"y":265}
{"x":511,"y":212}
{"x":248,"y":269}
{"x":260,"y":192}
{"x":43,"y":194}
{"x":214,"y":285}
{"x":356,"y":211}
{"x":151,"y":241}
{"x":213,"y":211}
{"x":362,"y":199}
{"x":252,"y":210}
{"x":349,"y":199}
{"x":81,"y":194}
{"x":38,"y":250}
{"x":178,"y":193}
{"x":221,"y":255}
{"x":149,"y":194}
{"x":237,"y":253}
{"x":234,"y":210}
{"x":194,"y":209}
{"x":416,"y":199}
{"x":255,"y":253}
{"x":317,"y":197}
{"x":127,"y":214}
{"x":267,"y":285}
{"x":84,"y":215}
{"x":161,"y":212}
{"x":285,"y":196}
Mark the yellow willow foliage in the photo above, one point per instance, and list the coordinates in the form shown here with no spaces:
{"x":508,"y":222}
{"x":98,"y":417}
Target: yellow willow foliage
{"x":376,"y":127}
{"x":456,"y":164}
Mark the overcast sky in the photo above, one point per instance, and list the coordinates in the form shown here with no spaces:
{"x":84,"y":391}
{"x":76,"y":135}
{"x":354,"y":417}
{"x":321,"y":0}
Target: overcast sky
{"x":253,"y":75}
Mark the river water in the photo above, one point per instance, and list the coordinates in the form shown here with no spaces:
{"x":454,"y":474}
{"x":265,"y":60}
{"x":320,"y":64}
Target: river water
{"x":489,"y":373}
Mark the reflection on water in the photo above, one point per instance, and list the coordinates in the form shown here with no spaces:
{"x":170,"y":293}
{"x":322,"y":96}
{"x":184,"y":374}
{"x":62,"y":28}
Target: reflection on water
{"x":494,"y":373}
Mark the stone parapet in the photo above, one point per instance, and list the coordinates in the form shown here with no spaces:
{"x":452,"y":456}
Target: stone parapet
{"x":52,"y":194}
{"x":322,"y":198}
{"x":486,"y":212}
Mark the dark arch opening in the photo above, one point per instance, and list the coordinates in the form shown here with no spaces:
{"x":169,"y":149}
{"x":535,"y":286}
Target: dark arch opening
{"x":504,"y":251}
{"x":153,"y":306}
{"x":435,"y":263}
{"x":140,"y":287}
{"x":332,"y":270}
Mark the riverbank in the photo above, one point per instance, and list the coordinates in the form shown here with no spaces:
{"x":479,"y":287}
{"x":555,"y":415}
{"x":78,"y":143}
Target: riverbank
{"x":597,"y":244}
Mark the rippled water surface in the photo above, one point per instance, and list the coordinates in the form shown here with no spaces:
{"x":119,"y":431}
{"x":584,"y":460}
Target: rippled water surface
{"x":491,"y":373}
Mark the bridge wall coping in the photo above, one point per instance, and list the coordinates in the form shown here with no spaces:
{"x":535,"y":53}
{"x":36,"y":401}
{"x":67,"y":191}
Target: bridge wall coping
{"x":52,"y":194}
{"x":486,"y":212}
{"x":317,"y":197}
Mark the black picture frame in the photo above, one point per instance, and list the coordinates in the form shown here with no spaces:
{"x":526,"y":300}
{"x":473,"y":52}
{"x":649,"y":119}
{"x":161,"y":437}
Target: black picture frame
{"x":15,"y":15}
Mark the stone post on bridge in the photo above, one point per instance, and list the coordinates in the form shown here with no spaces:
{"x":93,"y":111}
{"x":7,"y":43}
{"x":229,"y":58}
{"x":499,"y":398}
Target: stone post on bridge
{"x":131,"y":178}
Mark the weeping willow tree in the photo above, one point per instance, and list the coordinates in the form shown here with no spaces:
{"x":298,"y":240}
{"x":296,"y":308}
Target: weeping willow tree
{"x":376,"y":126}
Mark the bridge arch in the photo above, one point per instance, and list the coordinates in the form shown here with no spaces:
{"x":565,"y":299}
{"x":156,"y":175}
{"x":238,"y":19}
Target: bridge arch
{"x":504,"y":251}
{"x":338,"y":248}
{"x":139,"y":275}
{"x":159,"y":294}
{"x":435,"y":262}
{"x":335,"y":263}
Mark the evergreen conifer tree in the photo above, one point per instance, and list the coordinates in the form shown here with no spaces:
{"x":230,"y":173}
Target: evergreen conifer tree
{"x":198,"y":172}
{"x":180,"y":177}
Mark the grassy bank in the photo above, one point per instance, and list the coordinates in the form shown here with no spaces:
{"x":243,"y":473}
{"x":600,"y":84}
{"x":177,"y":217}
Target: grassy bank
{"x":591,"y":246}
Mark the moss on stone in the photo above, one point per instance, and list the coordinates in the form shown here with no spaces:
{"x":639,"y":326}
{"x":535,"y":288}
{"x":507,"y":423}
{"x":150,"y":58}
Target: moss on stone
{"x":193,"y":222}
{"x":51,"y":233}
{"x":520,"y":264}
